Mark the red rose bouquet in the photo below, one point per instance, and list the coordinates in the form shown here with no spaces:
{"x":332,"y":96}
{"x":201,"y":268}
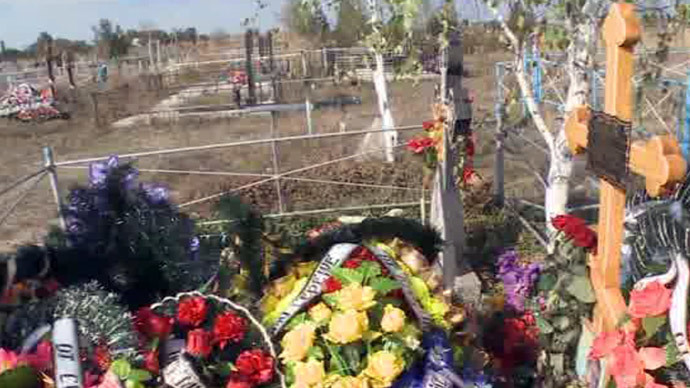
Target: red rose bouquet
{"x":204,"y":338}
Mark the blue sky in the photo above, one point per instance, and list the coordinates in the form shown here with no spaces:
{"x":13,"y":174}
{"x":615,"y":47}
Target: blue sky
{"x":22,"y":20}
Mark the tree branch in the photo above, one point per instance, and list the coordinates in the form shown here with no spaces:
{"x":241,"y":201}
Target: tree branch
{"x":529,"y":167}
{"x":525,"y":87}
{"x":542,"y":240}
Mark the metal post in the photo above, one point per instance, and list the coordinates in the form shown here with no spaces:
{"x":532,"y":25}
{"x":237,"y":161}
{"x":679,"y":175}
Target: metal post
{"x":158,"y":53}
{"x":49,"y":164}
{"x":49,"y":64}
{"x":276,"y":168}
{"x":499,"y":180}
{"x":249,"y":67}
{"x":150,"y":47}
{"x":307,"y":92}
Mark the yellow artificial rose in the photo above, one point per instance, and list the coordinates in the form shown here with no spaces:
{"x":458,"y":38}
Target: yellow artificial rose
{"x":356,"y":297}
{"x":346,"y":327}
{"x":305,"y":269}
{"x":296,"y":342}
{"x":393,"y":319}
{"x":413,"y":259}
{"x":320,"y":312}
{"x":309,"y":374}
{"x":383,"y":368}
{"x":282,"y":286}
{"x":348,"y":382}
{"x":273,"y":315}
{"x":269,"y":302}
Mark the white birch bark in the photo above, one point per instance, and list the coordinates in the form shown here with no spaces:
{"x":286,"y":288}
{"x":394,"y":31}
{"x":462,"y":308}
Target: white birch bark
{"x":390,"y":136}
{"x":579,"y":60}
{"x":582,"y":29}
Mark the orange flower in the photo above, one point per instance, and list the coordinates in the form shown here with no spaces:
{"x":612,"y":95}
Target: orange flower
{"x":653,"y":299}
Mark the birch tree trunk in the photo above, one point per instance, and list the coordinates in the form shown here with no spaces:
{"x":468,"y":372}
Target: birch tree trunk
{"x":579,"y":60}
{"x":390,"y":136}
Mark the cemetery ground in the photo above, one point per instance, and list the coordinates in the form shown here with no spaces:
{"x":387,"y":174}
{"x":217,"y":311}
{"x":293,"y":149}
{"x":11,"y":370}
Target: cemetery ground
{"x":411,"y":102}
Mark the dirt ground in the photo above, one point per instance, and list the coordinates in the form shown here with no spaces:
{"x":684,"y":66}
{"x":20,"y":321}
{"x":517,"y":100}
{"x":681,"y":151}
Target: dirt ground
{"x":80,"y":137}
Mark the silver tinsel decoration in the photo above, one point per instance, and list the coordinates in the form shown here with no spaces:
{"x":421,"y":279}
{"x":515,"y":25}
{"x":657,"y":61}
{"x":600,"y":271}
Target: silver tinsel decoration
{"x":102,"y":320}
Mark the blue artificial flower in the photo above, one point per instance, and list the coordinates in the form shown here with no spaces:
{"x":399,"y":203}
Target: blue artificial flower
{"x":439,"y":353}
{"x":475,"y":379}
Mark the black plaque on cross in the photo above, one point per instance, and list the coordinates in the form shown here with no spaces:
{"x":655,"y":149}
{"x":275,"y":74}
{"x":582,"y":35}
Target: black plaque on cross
{"x":608,"y":148}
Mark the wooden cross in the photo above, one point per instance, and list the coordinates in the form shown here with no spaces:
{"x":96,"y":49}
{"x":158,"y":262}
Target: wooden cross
{"x":658,"y":160}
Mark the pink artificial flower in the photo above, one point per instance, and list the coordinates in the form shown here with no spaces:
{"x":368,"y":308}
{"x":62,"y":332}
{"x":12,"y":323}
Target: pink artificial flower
{"x":42,"y":359}
{"x":652,"y":300}
{"x":653,"y":358}
{"x":8,"y":360}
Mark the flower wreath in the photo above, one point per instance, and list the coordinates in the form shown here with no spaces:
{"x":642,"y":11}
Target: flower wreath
{"x":207,"y":339}
{"x":365,"y":323}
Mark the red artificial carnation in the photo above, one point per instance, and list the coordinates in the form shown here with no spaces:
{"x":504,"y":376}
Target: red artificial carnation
{"x":228,"y":327}
{"x":331,"y":285}
{"x":419,"y":145}
{"x":151,"y":362}
{"x":256,"y":365}
{"x":192,"y":311}
{"x":352,"y":263}
{"x":199,"y":343}
{"x":362,"y":253}
{"x":468,"y":173}
{"x":151,"y":324}
{"x":428,"y":125}
{"x":102,"y":357}
{"x":238,"y":381}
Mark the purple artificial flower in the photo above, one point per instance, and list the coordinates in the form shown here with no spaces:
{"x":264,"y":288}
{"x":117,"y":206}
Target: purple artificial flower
{"x":518,"y":279}
{"x":158,"y":194}
{"x":130,"y":180}
{"x":98,"y":171}
{"x":194,"y":248}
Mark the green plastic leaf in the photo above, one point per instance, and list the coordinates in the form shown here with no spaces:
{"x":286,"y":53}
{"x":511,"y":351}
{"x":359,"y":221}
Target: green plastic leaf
{"x":139,"y":375}
{"x":134,"y":384}
{"x":348,"y":275}
{"x":316,"y":352}
{"x":121,"y":368}
{"x":330,"y":299}
{"x":672,"y":353}
{"x":21,"y":377}
{"x":352,"y":357}
{"x":369,"y":269}
{"x":581,"y":289}
{"x":544,"y":326}
{"x":652,"y":325}
{"x":296,"y":320}
{"x":546,"y":282}
{"x":384,"y":285}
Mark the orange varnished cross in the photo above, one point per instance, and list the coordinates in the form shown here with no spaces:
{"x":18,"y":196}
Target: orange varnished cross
{"x":658,"y":160}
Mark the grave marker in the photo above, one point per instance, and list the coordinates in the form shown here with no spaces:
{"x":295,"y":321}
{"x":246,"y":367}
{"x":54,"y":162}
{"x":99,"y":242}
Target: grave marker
{"x":658,"y":160}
